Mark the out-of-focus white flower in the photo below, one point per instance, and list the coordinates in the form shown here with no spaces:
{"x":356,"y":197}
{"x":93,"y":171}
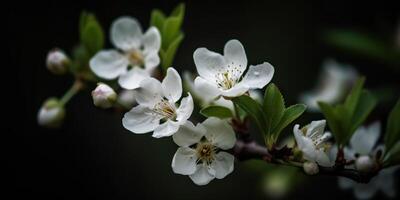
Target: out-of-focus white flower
{"x":57,"y":62}
{"x":51,"y":114}
{"x":135,"y":50}
{"x":311,"y":140}
{"x":334,"y":82}
{"x":157,"y":110}
{"x":362,"y":149}
{"x":384,"y":181}
{"x":223,"y":75}
{"x":103,"y":96}
{"x":310,"y":168}
{"x":205,"y":99}
{"x":365,"y":163}
{"x":126,"y":98}
{"x":200,"y":153}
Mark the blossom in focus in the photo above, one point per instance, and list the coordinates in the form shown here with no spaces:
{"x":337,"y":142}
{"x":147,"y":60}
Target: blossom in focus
{"x":57,"y":62}
{"x":334,"y":82}
{"x":103,"y":96}
{"x":200,"y":153}
{"x":205,"y":99}
{"x":157,"y":110}
{"x":135,"y":50}
{"x":223,"y":75}
{"x":51,"y":114}
{"x":311,"y":141}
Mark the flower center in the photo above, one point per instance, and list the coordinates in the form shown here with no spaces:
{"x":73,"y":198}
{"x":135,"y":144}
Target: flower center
{"x":318,"y":138}
{"x":229,"y":77}
{"x":165,"y":109}
{"x":135,"y":57}
{"x":205,"y":152}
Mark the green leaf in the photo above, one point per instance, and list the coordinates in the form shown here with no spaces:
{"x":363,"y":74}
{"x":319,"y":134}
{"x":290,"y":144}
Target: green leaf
{"x":355,"y":93}
{"x":167,"y":57}
{"x":217,"y":111}
{"x":361,"y":44}
{"x":274,"y":107}
{"x":392,"y":157}
{"x":366,"y":104}
{"x":392,"y":135}
{"x":252,"y":108}
{"x":92,"y":36}
{"x":170,"y":31}
{"x":179,"y":10}
{"x":290,"y":114}
{"x":157,"y":19}
{"x":333,"y":121}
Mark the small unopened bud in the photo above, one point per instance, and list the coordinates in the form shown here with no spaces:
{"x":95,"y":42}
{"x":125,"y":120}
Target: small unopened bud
{"x":57,"y":62}
{"x":51,"y":114}
{"x":364,"y":164}
{"x":103,"y":96}
{"x":127,"y":98}
{"x":310,"y":168}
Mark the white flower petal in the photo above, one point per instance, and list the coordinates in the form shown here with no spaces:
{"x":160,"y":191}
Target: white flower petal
{"x":151,"y":40}
{"x":220,"y":133}
{"x":224,"y":103}
{"x":184,"y":161}
{"x":207,"y":89}
{"x":108,"y":64}
{"x":316,"y":128}
{"x":188,"y":134}
{"x":131,"y":80}
{"x":235,"y":55}
{"x":202,"y":176}
{"x":126,"y":33}
{"x":237,"y":90}
{"x":223,"y":164}
{"x":322,"y":158}
{"x":365,"y":191}
{"x":298,"y":135}
{"x":208,"y":63}
{"x":151,"y":61}
{"x":139,"y":121}
{"x":149,"y":93}
{"x":172,"y":85}
{"x":185,"y":109}
{"x":365,"y":138}
{"x":166,"y":129}
{"x":258,"y":76}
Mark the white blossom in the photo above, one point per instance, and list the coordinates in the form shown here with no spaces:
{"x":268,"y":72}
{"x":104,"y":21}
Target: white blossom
{"x":311,"y":140}
{"x":157,"y":110}
{"x":384,"y":181}
{"x":334,"y":82}
{"x":103,"y":96}
{"x":134,"y":51}
{"x":51,"y":114}
{"x":206,"y":100}
{"x":310,"y":168}
{"x":223,"y":75}
{"x":363,"y":148}
{"x":201,"y":154}
{"x":57,"y":61}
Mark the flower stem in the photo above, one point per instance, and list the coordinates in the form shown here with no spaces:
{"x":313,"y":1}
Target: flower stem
{"x":73,"y":90}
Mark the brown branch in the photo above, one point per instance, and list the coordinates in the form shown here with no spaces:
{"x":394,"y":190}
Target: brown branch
{"x":246,"y":150}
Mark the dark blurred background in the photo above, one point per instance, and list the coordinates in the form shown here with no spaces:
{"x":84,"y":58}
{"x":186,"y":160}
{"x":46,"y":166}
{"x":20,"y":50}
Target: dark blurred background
{"x":93,"y":157}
